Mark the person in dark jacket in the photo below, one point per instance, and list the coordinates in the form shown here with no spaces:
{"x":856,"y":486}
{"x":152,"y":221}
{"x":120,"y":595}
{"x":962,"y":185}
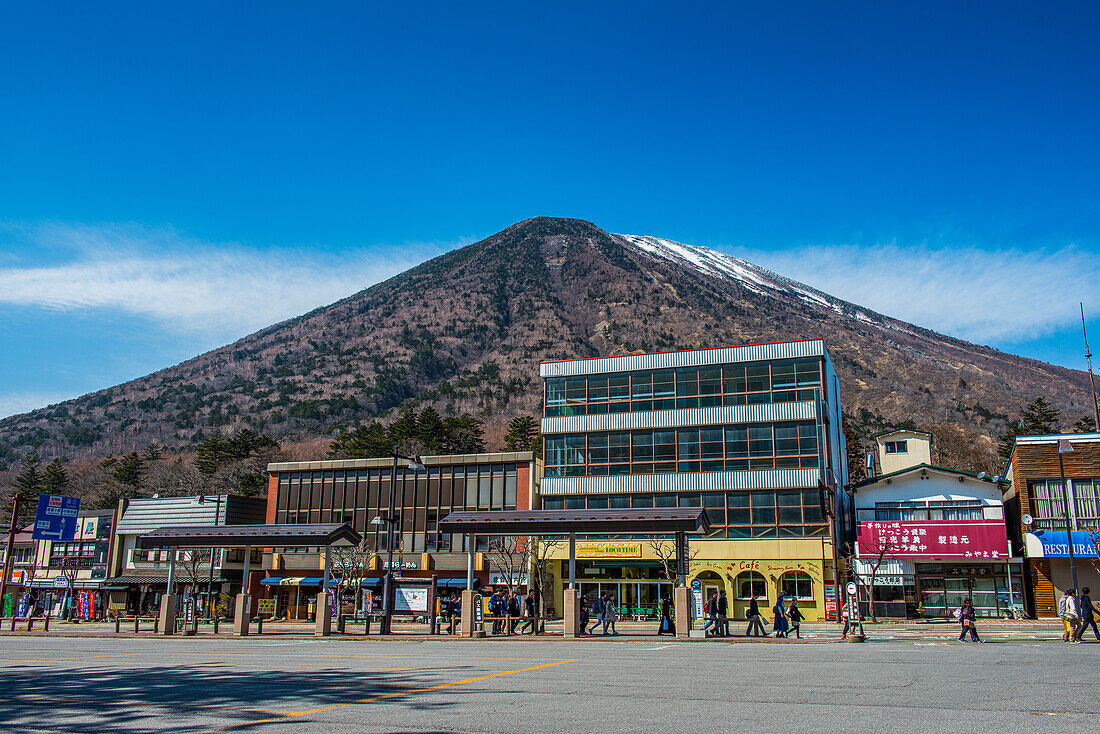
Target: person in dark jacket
{"x":1086,"y":614}
{"x":515,"y":612}
{"x":667,"y":626}
{"x":966,"y":619}
{"x":529,"y":611}
{"x":584,"y":618}
{"x":756,"y":625}
{"x":795,"y":615}
{"x":723,"y":618}
{"x":779,"y":625}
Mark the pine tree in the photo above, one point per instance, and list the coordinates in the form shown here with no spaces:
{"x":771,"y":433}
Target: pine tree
{"x":1085,"y":425}
{"x":857,"y":471}
{"x":55,"y":479}
{"x":153,"y":451}
{"x":29,"y":481}
{"x":464,"y":435}
{"x":404,"y":429}
{"x":429,"y":429}
{"x":523,"y":435}
{"x":1039,"y":418}
{"x":129,"y":470}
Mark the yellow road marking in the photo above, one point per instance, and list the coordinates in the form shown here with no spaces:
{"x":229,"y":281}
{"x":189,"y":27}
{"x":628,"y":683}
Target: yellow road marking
{"x":395,"y":694}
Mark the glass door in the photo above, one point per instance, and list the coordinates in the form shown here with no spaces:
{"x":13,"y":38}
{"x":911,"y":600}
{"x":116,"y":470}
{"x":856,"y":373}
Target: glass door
{"x":956,"y":591}
{"x":932,"y":597}
{"x":984,"y":595}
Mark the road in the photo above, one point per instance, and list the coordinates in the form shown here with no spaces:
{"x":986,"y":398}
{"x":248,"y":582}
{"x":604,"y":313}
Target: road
{"x":200,"y":684}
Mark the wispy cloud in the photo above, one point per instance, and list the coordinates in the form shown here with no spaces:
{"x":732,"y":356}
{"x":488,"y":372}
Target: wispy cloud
{"x":13,"y":403}
{"x":986,"y":296}
{"x":223,"y":290}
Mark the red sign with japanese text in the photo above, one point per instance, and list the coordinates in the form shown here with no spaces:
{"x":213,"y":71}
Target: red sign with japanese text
{"x":933,"y":538}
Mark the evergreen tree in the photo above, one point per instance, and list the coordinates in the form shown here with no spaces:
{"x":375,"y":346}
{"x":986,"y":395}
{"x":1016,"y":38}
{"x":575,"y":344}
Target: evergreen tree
{"x":405,"y":428}
{"x":129,"y":470}
{"x":1039,"y":418}
{"x":1085,"y":425}
{"x":464,"y":435}
{"x":523,"y":435}
{"x":430,"y":428}
{"x":857,"y":470}
{"x":210,"y":454}
{"x":365,"y":442}
{"x":55,"y":479}
{"x":29,"y":480}
{"x":153,"y":451}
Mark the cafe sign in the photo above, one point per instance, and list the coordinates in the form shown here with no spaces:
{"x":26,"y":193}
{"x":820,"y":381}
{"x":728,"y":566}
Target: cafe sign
{"x":609,"y":550}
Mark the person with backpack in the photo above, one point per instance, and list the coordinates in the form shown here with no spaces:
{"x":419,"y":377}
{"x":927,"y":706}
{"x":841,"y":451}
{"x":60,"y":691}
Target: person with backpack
{"x":756,"y":625}
{"x":515,"y":611}
{"x":710,"y":611}
{"x":1087,"y":615}
{"x":795,"y":615}
{"x":597,"y":611}
{"x":1067,"y":610}
{"x":723,"y":618}
{"x":965,"y":615}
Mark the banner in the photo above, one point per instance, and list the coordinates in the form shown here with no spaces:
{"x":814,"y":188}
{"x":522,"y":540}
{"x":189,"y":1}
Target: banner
{"x":609,"y":550}
{"x":973,"y":539}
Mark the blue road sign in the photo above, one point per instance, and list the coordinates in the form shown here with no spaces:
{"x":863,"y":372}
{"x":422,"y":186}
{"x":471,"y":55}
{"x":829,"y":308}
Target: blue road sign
{"x":56,"y":517}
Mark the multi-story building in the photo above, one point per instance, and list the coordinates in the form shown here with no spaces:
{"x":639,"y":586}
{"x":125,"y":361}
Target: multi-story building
{"x":73,"y":572}
{"x":1042,"y":507}
{"x":359,"y":491}
{"x":930,"y":538}
{"x":751,"y":433}
{"x":140,"y":575}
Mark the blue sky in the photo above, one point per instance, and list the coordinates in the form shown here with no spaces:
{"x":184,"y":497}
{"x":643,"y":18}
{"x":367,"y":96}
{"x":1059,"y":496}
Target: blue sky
{"x":172,"y":178}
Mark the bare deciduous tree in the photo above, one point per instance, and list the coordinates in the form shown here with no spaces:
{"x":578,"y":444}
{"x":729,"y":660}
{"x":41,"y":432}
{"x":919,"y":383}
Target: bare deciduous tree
{"x":540,"y":549}
{"x":665,"y":551}
{"x":509,"y":556}
{"x":879,"y":549}
{"x":350,"y":563}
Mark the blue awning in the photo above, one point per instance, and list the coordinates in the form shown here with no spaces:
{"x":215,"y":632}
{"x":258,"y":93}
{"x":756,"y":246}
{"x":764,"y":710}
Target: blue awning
{"x":455,"y":583}
{"x":311,"y":581}
{"x":272,"y":581}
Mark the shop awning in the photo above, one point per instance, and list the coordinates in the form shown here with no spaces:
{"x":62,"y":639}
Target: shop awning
{"x":125,"y":582}
{"x":1054,"y":544}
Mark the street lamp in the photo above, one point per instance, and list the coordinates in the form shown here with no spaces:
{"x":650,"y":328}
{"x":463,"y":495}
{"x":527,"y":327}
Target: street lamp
{"x":213,"y":551}
{"x":390,"y":520}
{"x":1064,"y":447}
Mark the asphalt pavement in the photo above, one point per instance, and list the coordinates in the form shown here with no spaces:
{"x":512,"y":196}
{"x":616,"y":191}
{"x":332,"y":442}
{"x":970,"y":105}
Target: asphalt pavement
{"x":1013,"y":682}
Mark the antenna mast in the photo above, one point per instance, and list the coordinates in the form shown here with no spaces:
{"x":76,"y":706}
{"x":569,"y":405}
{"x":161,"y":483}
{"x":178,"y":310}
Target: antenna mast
{"x":1092,"y":381}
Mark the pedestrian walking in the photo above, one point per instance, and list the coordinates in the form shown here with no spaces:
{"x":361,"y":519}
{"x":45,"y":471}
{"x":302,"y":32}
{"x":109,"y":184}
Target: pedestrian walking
{"x":756,"y":624}
{"x":723,"y":615}
{"x":779,"y":624}
{"x":529,"y":612}
{"x":1067,"y":610}
{"x":847,"y":622}
{"x":515,"y":612}
{"x":1087,"y":615}
{"x":610,"y":614}
{"x":965,"y":616}
{"x":795,"y":615}
{"x":584,"y":618}
{"x":710,"y":610}
{"x":667,"y":627}
{"x":597,"y":611}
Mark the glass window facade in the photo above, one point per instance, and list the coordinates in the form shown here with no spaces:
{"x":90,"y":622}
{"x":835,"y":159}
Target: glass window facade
{"x":1048,"y":503}
{"x":752,"y":383}
{"x":357,"y":496}
{"x":932,"y":510}
{"x":664,"y":451}
{"x":758,"y":513}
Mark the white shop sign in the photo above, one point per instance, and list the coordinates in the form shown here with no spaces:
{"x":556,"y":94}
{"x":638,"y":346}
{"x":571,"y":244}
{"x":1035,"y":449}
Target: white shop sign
{"x":410,"y":599}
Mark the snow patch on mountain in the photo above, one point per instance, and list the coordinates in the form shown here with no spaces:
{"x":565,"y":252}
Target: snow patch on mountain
{"x":755,"y":278}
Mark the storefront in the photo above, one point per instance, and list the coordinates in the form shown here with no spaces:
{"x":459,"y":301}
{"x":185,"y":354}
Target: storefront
{"x":1048,"y":555}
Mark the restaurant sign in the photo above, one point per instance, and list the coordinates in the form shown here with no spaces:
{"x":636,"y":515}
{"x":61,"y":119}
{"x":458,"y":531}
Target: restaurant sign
{"x":609,"y":550}
{"x":978,"y":539}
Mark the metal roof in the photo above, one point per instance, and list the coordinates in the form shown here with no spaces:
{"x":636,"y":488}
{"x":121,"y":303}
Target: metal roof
{"x":303,"y":535}
{"x":560,"y":522}
{"x":146,"y":514}
{"x":683,"y":358}
{"x":503,"y":457}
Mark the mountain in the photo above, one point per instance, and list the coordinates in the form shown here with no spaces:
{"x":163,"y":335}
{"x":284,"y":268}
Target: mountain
{"x":466,"y":330}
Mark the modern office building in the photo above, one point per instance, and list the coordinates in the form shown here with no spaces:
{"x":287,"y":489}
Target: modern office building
{"x":930,"y":538}
{"x":752,"y":433}
{"x":358,"y":492}
{"x":1042,"y":507}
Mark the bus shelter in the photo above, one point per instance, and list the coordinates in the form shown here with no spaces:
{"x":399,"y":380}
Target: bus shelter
{"x":249,"y":537}
{"x":675,"y":521}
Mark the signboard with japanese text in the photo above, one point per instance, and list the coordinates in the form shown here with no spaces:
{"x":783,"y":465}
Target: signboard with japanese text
{"x":410,"y":599}
{"x":969,"y":539}
{"x":830,"y":602}
{"x":55,"y":518}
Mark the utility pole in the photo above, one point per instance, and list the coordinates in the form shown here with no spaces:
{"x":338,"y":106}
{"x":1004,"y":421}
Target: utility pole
{"x":1064,"y":447}
{"x":1092,"y":381}
{"x":387,"y":588}
{"x":16,"y":500}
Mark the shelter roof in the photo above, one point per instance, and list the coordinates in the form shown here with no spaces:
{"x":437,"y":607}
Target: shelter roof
{"x":562,"y":522}
{"x":298,"y":535}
